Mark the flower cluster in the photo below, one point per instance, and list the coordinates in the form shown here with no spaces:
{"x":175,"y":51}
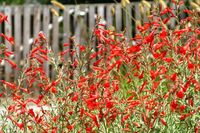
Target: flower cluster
{"x":150,"y":86}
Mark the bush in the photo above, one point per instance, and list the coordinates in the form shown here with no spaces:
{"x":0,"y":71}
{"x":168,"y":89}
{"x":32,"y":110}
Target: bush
{"x":152,"y":86}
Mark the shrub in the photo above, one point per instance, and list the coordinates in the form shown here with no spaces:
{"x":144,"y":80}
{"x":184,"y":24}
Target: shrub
{"x":152,"y":86}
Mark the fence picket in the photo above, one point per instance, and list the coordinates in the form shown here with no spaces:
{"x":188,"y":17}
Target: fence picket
{"x":46,"y":21}
{"x":77,"y":20}
{"x":55,"y":36}
{"x":100,"y":11}
{"x":17,"y":35}
{"x":55,"y":39}
{"x":8,"y":32}
{"x":118,"y":16}
{"x":128,"y":15}
{"x":37,"y":21}
{"x":92,"y":40}
{"x":172,"y":20}
{"x":92,"y":22}
{"x":26,"y":34}
{"x":109,"y":15}
{"x":67,"y":31}
{"x":137,"y":15}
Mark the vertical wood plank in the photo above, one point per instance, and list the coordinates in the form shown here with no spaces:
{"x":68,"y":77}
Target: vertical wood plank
{"x":8,"y":32}
{"x":109,"y":16}
{"x":100,"y":11}
{"x":172,"y":20}
{"x":17,"y":35}
{"x":36,"y":29}
{"x":118,"y":17}
{"x":77,"y":25}
{"x":91,"y":17}
{"x":84,"y":32}
{"x":92,"y":23}
{"x":128,"y":15}
{"x":83,"y":24}
{"x":77,"y":37}
{"x":55,"y":38}
{"x":37,"y":21}
{"x":67,"y":31}
{"x":55,"y":34}
{"x":145,"y":16}
{"x":137,"y":15}
{"x":92,"y":41}
{"x":46,"y":21}
{"x":26,"y":34}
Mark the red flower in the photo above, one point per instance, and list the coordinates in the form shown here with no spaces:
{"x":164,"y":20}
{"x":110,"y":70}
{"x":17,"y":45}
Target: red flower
{"x":163,"y":121}
{"x":75,"y":97}
{"x":180,"y":94}
{"x":190,"y":65}
{"x":163,"y":34}
{"x":125,"y":118}
{"x":182,"y":108}
{"x":191,"y":102}
{"x":54,"y":90}
{"x":183,"y":117}
{"x":20,"y":125}
{"x":11,"y":85}
{"x":3,"y":18}
{"x":93,"y":117}
{"x":10,"y":39}
{"x":11,"y":63}
{"x":143,"y":86}
{"x":173,"y":77}
{"x":31,"y":112}
{"x":42,"y":36}
{"x":106,"y":85}
{"x":173,"y":105}
{"x":134,"y":49}
{"x":154,"y":74}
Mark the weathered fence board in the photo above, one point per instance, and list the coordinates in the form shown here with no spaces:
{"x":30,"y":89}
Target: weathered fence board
{"x":128,"y":25}
{"x":100,"y":11}
{"x":55,"y":39}
{"x":118,"y":16}
{"x":17,"y":35}
{"x":8,"y":32}
{"x":92,"y":20}
{"x":67,"y":31}
{"x":46,"y":22}
{"x":109,"y":15}
{"x":37,"y":21}
{"x":137,"y":15}
{"x":55,"y":35}
{"x":26,"y":32}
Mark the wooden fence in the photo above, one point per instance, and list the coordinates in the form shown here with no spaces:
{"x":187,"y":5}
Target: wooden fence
{"x":26,"y":21}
